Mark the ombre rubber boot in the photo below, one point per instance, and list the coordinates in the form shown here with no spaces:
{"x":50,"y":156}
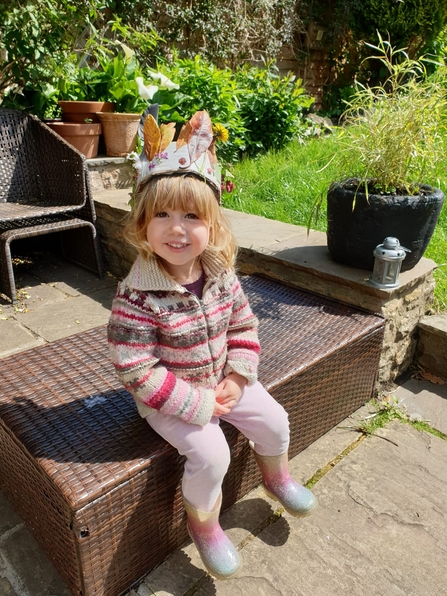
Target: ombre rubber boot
{"x":215,"y":548}
{"x":280,"y":486}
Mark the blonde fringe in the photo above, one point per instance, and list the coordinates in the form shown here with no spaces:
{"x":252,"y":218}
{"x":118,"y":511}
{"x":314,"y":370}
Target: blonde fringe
{"x":185,"y":192}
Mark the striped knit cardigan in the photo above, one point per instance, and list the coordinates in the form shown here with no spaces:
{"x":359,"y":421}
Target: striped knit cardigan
{"x":170,"y":349}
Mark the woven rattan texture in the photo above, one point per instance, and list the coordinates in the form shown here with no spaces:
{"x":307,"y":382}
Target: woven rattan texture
{"x":101,"y":491}
{"x":43,"y":180}
{"x":37,"y":168}
{"x":81,"y":245}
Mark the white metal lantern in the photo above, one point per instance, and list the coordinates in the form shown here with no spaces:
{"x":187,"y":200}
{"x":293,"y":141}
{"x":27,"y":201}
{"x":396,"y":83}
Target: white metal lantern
{"x":387,"y":263}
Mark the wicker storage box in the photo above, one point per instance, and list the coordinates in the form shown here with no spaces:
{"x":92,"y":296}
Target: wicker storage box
{"x":101,"y":491}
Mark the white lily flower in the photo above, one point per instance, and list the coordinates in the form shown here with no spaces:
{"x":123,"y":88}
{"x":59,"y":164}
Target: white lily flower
{"x":127,"y":51}
{"x":146,"y":92}
{"x":164,"y":81}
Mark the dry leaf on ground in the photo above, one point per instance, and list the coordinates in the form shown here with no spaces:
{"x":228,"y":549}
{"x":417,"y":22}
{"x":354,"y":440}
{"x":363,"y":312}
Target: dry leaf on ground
{"x":428,"y":376}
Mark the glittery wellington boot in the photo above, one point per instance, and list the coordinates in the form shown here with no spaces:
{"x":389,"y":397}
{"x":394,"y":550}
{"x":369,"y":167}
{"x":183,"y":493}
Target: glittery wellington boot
{"x":215,"y":548}
{"x":280,"y":486}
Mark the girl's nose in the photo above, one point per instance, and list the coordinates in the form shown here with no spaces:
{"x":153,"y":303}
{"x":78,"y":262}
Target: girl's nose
{"x":177,"y":226}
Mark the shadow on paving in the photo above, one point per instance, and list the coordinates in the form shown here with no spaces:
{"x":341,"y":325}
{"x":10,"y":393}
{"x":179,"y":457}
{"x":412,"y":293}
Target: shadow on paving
{"x":38,"y":262}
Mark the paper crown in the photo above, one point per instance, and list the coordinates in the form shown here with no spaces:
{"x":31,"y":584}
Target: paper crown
{"x":192,"y":153}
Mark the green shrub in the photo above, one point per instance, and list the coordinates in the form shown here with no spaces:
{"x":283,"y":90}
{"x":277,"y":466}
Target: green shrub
{"x":205,"y":86}
{"x":260,"y":109}
{"x":37,"y":38}
{"x":112,"y":79}
{"x":43,"y":59}
{"x":271,"y":108}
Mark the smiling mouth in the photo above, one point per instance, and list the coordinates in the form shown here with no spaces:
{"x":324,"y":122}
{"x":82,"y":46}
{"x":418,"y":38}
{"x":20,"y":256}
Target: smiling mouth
{"x":172,"y":245}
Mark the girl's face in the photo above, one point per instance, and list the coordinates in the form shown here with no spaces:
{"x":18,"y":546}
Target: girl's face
{"x":178,"y":237}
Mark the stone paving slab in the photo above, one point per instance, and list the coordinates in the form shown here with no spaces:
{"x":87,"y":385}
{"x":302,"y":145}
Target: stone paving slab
{"x":16,"y":338}
{"x":68,"y":316}
{"x":57,"y":299}
{"x":253,"y":231}
{"x":425,"y":401}
{"x":20,"y":551}
{"x":380,"y":529}
{"x":184,"y":568}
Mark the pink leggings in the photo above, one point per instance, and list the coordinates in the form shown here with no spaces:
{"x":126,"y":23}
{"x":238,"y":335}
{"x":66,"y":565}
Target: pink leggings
{"x":257,"y":415}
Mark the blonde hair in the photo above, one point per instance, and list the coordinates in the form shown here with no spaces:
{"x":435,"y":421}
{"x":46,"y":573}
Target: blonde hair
{"x":185,"y":192}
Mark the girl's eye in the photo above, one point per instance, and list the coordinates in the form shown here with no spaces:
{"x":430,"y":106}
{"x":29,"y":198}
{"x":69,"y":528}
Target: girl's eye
{"x":161,"y":214}
{"x":191,"y":216}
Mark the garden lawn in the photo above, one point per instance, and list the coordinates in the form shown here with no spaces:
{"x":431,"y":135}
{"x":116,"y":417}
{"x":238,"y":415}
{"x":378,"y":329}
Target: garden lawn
{"x":284,"y":185}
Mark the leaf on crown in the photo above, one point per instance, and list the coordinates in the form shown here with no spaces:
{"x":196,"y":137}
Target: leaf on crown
{"x":184,"y":135}
{"x":201,"y":136}
{"x":156,"y":139}
{"x":152,"y":137}
{"x":167,"y":132}
{"x":212,"y":153}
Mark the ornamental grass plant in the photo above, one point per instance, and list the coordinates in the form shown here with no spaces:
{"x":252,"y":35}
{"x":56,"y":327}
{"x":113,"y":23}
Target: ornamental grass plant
{"x":391,"y":137}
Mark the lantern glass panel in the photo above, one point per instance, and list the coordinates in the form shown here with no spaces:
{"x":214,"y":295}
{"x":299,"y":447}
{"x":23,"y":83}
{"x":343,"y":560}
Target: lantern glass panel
{"x":392,"y":271}
{"x":379,"y":271}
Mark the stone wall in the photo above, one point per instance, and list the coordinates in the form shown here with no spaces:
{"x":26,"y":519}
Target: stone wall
{"x":403,"y":314}
{"x":402,"y":308}
{"x":431,"y":351}
{"x":111,"y":216}
{"x":110,"y":173}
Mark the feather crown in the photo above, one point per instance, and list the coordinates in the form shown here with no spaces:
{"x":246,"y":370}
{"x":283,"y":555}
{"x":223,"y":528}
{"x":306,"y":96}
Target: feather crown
{"x":193,"y":152}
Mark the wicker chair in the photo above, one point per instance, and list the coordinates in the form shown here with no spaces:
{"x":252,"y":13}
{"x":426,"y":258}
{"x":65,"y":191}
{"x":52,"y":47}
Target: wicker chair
{"x":44,"y":188}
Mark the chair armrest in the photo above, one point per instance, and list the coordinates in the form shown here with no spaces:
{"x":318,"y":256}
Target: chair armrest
{"x":59,"y":166}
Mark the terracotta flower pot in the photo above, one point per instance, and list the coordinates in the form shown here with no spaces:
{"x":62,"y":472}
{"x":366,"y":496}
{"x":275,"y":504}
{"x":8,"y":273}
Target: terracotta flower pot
{"x":120,"y":132}
{"x":83,"y":136}
{"x":79,"y":111}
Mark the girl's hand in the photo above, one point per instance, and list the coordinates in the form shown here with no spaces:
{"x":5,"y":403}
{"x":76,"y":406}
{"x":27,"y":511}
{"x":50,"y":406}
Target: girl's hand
{"x":220,"y":409}
{"x":229,"y":391}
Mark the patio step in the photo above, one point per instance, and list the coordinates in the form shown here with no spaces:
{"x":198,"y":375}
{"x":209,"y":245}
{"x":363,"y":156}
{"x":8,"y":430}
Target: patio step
{"x":431,"y":350}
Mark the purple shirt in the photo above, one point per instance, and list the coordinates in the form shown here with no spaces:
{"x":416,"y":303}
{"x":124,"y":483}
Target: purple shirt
{"x":197,"y":286}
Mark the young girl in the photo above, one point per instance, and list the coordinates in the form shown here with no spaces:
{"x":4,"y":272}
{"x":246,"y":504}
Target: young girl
{"x":184,"y":343}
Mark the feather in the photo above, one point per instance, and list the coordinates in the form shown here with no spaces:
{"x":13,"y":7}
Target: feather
{"x":152,"y":137}
{"x":201,"y":135}
{"x":167,"y":132}
{"x":184,"y":135}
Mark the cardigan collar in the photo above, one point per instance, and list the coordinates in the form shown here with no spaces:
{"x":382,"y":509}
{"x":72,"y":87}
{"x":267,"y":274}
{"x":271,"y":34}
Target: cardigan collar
{"x":146,"y":274}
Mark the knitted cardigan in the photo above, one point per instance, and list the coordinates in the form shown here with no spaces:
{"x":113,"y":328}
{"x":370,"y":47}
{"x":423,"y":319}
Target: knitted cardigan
{"x":170,"y":349}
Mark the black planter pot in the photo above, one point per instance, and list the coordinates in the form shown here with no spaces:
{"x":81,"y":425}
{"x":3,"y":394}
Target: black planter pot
{"x":353,"y":233}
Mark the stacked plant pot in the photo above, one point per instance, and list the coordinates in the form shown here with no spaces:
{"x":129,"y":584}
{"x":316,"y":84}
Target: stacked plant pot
{"x":80,"y":125}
